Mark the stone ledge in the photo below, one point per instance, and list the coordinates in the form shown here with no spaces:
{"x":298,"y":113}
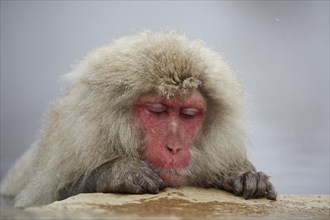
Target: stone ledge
{"x":178,"y":203}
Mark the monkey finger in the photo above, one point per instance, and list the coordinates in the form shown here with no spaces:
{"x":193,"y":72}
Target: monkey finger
{"x":271,"y":192}
{"x":150,"y":185}
{"x":262,"y":180}
{"x":154,"y":176}
{"x":156,"y":179}
{"x":237,"y":184}
{"x":131,"y":187}
{"x":160,"y":184}
{"x":250,"y":184}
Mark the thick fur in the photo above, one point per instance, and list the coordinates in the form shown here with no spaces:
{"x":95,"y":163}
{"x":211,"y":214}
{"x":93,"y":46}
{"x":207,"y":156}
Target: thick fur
{"x":92,"y":123}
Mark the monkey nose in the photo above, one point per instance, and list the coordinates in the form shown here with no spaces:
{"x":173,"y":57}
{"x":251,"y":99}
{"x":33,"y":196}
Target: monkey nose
{"x":173,"y":149}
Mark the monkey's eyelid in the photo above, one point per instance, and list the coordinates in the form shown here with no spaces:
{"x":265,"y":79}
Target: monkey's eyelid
{"x":189,"y":111}
{"x":156,"y":108}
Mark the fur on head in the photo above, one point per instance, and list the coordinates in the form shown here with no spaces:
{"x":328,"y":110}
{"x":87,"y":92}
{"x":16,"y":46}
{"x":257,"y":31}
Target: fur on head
{"x":116,"y":75}
{"x":92,"y":122}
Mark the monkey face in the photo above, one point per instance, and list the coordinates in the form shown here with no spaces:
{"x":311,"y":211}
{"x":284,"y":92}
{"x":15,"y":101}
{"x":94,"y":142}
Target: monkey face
{"x":172,"y":126}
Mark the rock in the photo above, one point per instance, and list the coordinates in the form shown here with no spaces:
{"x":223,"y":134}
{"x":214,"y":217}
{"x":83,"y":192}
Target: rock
{"x":177,"y":203}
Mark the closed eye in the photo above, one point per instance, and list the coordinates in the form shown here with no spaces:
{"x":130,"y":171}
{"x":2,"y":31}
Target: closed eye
{"x":156,"y":108}
{"x":189,"y":112}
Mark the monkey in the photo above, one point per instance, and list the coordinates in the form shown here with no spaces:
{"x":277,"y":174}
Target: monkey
{"x":150,"y":110}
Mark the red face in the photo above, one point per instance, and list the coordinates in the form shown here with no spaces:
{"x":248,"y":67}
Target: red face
{"x":172,"y":127}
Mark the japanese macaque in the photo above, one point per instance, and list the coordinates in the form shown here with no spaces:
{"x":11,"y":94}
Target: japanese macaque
{"x":149,"y":111}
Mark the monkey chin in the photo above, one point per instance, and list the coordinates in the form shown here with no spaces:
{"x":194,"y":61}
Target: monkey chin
{"x":172,"y":180}
{"x":172,"y":177}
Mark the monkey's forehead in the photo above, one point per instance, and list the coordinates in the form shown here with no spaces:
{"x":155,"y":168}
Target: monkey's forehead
{"x":164,"y":62}
{"x":169,"y":87}
{"x":169,"y":62}
{"x":193,"y":98}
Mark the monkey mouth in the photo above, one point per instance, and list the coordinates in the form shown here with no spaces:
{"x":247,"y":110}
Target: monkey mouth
{"x":171,"y":176}
{"x":173,"y":180}
{"x":169,"y":170}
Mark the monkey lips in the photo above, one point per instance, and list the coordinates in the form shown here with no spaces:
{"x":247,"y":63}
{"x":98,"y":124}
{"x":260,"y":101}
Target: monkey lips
{"x":174,"y":171}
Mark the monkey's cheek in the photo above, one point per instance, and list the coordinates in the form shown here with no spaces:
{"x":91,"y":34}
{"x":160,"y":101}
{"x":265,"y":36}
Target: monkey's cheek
{"x":172,"y":179}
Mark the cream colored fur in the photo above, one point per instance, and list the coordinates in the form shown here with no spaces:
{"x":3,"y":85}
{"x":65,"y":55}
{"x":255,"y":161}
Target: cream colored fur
{"x":92,"y":122}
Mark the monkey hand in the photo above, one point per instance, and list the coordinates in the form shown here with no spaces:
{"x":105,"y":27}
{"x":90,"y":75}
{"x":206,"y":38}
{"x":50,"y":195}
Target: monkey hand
{"x":127,"y":176}
{"x":116,"y":176}
{"x":250,"y":185}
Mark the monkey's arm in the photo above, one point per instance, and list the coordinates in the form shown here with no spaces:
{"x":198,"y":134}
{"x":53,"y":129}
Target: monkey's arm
{"x":249,"y":184}
{"x":124,"y":175}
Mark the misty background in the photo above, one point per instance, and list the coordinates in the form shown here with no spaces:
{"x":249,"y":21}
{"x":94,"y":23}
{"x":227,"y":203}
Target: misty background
{"x":279,"y":49}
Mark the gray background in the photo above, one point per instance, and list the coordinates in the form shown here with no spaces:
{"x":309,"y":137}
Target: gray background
{"x":280,"y":50}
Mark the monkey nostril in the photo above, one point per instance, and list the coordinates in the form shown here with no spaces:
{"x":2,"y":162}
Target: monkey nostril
{"x":173,"y":149}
